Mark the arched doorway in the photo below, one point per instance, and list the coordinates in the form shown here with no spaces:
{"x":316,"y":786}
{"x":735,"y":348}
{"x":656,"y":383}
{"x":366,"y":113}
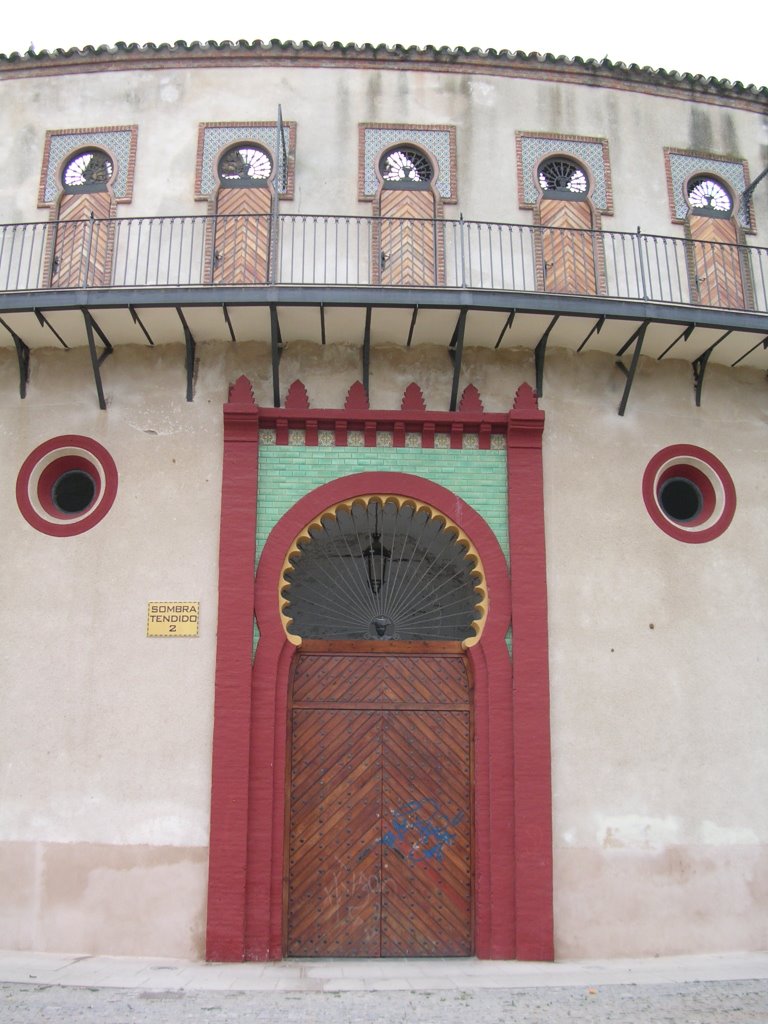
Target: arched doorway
{"x":242,"y":236}
{"x":383,"y":594}
{"x":408,"y":237}
{"x":569,"y":258}
{"x":84,"y":232}
{"x":716,"y":265}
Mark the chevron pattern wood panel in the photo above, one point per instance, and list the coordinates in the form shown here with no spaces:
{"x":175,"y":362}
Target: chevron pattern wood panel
{"x":379,"y":830}
{"x":334,"y":851}
{"x":407,"y":245}
{"x":426,"y":869}
{"x":82,"y":249}
{"x":716,"y":264}
{"x":242,"y":236}
{"x":568,"y":254}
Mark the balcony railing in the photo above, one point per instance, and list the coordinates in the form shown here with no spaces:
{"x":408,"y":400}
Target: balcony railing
{"x":301,"y":249}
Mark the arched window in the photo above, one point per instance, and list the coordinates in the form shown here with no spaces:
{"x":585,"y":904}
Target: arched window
{"x":406,"y":167}
{"x":569,"y":257}
{"x":245,"y":166}
{"x":88,"y":171}
{"x":561,"y":178}
{"x":84,"y":235}
{"x":709,"y":197}
{"x":716,"y":265}
{"x":408,"y":237}
{"x":243,"y":221}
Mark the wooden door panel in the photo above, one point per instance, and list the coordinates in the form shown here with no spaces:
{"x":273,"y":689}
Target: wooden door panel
{"x":568,"y":247}
{"x":334,"y":858}
{"x":407,"y":238}
{"x":242,"y":236}
{"x":426,"y":862}
{"x":82,"y":247}
{"x":717,"y":271}
{"x":379,"y":841}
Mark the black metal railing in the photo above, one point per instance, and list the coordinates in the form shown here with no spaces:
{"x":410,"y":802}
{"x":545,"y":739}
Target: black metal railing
{"x":303,"y":249}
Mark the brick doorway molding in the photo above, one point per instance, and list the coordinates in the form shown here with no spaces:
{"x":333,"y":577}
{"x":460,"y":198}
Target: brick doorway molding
{"x":513,"y":820}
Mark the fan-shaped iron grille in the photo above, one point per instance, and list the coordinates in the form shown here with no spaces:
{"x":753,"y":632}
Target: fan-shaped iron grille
{"x":406,"y":168}
{"x":382,"y":570}
{"x":705,"y":195}
{"x":88,"y":171}
{"x":564,"y":177}
{"x":245,"y":165}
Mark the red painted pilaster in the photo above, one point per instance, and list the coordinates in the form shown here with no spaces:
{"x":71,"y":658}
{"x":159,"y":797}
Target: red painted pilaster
{"x":532,"y":774}
{"x":232,"y":715}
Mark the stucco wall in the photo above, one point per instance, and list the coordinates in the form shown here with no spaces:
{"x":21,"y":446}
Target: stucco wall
{"x":659,"y":728}
{"x":168,"y":104}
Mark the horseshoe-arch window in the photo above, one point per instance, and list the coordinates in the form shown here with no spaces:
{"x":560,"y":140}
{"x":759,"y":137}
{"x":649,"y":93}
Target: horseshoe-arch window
{"x":243,"y":209}
{"x":406,"y":167}
{"x":569,"y":259}
{"x":716,"y":265}
{"x":88,"y":171}
{"x":408,"y":239}
{"x":84,"y":235}
{"x":383,"y":568}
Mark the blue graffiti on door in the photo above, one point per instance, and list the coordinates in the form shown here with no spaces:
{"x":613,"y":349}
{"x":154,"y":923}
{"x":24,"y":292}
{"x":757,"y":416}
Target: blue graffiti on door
{"x":420,"y":831}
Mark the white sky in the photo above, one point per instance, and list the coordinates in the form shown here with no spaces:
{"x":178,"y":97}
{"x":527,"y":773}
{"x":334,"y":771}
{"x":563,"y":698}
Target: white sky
{"x":708,"y":37}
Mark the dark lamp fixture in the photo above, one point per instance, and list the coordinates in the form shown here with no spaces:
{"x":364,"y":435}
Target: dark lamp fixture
{"x":376,"y":563}
{"x":376,"y":558}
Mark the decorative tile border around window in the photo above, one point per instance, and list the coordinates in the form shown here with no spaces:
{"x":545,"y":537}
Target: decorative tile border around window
{"x":681,"y":164}
{"x":213,"y":137}
{"x":118,"y":141}
{"x":589,"y":151}
{"x":439,"y":140}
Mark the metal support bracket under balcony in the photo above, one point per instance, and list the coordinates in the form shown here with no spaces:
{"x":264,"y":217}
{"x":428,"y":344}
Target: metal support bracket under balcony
{"x":539,"y":354}
{"x":682,"y":336}
{"x":228,"y":322}
{"x":92,"y":328}
{"x":637,"y":338}
{"x":41,"y":319}
{"x":456,"y":352}
{"x":763,"y":342}
{"x":510,"y":320}
{"x":277,"y":352}
{"x":412,"y":327}
{"x":22,"y":355}
{"x":137,"y":320}
{"x":596,"y":328}
{"x":190,"y":355}
{"x":700,"y":367}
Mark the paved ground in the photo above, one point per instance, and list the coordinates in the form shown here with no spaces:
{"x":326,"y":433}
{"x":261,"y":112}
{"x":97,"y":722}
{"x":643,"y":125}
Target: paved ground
{"x":48,"y":989}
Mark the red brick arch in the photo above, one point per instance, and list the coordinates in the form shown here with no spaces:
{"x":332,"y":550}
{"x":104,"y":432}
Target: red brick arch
{"x":513,"y":855}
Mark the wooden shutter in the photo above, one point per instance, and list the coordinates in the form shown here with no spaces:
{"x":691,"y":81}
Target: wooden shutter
{"x":717,"y":273}
{"x":408,"y":243}
{"x":82,"y":248}
{"x":568,"y":247}
{"x":242,"y":236}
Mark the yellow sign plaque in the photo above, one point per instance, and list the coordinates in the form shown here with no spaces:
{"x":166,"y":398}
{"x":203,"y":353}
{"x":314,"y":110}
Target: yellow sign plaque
{"x":173,"y":618}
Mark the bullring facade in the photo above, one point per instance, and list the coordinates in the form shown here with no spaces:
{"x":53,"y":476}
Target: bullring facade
{"x":383,"y":504}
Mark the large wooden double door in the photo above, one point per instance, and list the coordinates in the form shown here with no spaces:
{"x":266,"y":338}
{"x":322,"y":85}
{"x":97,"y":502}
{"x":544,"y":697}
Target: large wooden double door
{"x":380,"y":824}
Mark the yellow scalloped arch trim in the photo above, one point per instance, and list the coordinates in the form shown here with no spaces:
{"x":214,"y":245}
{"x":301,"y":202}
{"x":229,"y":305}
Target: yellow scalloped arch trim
{"x":400,"y":500}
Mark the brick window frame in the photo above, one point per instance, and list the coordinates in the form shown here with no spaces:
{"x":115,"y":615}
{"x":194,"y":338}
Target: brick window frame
{"x":117,"y":141}
{"x":589,"y":152}
{"x":375,"y":138}
{"x":214,"y":138}
{"x":576,"y":147}
{"x":682,"y":164}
